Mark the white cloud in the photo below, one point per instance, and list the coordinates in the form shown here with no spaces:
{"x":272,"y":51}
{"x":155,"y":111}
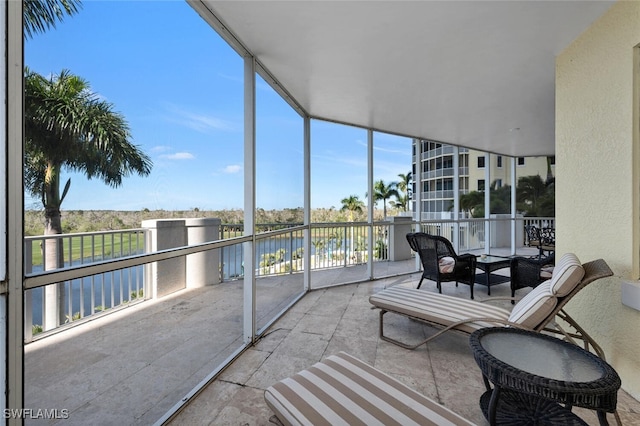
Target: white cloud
{"x":232,"y":168}
{"x":179,"y":156}
{"x":161,"y":148}
{"x":197,"y":121}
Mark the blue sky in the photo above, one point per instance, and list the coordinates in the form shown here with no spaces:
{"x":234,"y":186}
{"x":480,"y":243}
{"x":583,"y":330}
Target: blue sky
{"x":180,"y":88}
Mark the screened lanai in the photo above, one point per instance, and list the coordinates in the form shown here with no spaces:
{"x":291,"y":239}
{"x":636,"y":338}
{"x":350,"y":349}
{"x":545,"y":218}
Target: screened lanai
{"x":470,"y":75}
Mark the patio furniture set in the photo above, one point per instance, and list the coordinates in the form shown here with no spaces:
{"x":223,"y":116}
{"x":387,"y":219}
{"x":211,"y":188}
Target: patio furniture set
{"x":531,"y":375}
{"x":440,"y":263}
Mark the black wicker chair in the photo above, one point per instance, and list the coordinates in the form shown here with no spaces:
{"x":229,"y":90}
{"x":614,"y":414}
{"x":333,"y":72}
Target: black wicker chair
{"x":432,"y":249}
{"x":527,"y":272}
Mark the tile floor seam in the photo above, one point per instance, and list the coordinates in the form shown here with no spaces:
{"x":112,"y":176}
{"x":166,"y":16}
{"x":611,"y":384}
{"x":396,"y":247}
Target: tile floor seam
{"x":324,"y":352}
{"x":433,"y":373}
{"x":233,"y":383}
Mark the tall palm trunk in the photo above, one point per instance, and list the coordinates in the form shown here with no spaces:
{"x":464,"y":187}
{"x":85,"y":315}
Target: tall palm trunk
{"x":549,"y":172}
{"x":53,"y":249}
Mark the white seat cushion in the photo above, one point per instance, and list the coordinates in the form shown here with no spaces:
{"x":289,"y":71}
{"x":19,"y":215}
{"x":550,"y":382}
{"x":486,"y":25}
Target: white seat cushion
{"x":534,"y":307}
{"x":546,"y":272}
{"x":567,"y":273}
{"x":437,"y":308}
{"x":446,"y":264}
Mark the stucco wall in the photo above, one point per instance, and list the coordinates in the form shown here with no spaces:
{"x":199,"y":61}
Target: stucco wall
{"x":597,"y":189}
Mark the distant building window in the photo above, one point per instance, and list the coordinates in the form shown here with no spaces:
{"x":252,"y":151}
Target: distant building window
{"x":553,"y":160}
{"x":499,"y":161}
{"x":481,"y":162}
{"x":480,"y":184}
{"x":498,"y":183}
{"x":520,"y":161}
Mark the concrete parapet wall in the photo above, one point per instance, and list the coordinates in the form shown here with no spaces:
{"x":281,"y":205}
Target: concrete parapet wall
{"x":195,"y":270}
{"x":398,"y":246}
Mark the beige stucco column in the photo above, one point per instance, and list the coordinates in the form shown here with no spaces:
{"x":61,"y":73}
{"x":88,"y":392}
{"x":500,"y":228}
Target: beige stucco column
{"x":203,"y":268}
{"x":166,"y":276}
{"x":399,"y":248}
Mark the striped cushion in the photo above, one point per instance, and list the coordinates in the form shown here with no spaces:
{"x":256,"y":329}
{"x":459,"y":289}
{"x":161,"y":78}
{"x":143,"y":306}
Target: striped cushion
{"x":567,"y":273}
{"x":437,"y":308}
{"x":342,"y":390}
{"x":535,"y":306}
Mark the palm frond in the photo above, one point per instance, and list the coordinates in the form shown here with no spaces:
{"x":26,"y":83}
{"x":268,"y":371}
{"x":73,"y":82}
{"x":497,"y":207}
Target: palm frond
{"x":41,"y":15}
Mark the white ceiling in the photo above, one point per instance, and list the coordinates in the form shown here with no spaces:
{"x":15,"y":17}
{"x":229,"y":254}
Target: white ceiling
{"x":478,"y":74}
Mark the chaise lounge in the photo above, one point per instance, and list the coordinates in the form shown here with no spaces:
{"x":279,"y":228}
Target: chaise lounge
{"x":343,"y":390}
{"x":537,"y":311}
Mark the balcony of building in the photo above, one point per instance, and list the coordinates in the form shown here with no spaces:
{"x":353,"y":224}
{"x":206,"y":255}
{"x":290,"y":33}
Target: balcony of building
{"x":136,"y":347}
{"x":178,"y":359}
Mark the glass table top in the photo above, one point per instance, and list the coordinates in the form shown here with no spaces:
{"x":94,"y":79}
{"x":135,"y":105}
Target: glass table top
{"x":550,"y":358}
{"x":491,"y":259}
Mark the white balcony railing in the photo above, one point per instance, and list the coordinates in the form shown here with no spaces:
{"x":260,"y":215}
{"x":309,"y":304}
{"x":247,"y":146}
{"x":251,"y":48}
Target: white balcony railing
{"x":279,"y":250}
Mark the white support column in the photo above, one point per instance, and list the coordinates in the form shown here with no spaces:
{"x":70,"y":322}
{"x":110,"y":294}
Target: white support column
{"x":417,"y":195}
{"x":513,"y":206}
{"x":456,"y":198}
{"x":370,"y":203}
{"x":4,"y":203}
{"x":487,"y":202}
{"x":13,"y":121}
{"x":249,"y":197}
{"x":307,"y":204}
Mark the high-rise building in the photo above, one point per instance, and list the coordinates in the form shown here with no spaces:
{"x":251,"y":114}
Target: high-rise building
{"x":435,"y":164}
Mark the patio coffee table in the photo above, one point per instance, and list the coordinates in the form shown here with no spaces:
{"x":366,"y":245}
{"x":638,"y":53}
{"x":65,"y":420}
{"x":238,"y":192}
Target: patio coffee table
{"x":533,"y":374}
{"x":488,"y":265}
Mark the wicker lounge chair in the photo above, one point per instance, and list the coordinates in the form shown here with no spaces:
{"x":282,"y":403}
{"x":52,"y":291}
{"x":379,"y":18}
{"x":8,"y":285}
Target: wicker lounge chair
{"x":343,"y":390}
{"x":536,"y":311}
{"x":440,"y":261}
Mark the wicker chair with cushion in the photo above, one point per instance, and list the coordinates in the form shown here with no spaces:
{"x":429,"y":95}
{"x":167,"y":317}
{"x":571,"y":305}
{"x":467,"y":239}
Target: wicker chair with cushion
{"x":527,"y":272}
{"x":440,"y":261}
{"x":536,"y":311}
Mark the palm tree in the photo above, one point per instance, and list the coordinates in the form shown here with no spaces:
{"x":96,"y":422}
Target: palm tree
{"x":528,"y":193}
{"x":40,"y":15}
{"x":550,"y":176}
{"x":472,"y":202}
{"x":404,"y":186}
{"x":353,"y":204}
{"x":67,"y":126}
{"x":384,"y":192}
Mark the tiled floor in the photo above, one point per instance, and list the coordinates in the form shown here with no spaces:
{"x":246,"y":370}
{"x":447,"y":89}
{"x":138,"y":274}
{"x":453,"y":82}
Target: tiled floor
{"x":341,"y":319}
{"x":133,"y":365}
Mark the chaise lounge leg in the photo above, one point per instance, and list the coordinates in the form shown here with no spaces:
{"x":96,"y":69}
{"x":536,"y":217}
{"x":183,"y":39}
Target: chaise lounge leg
{"x":396,"y":342}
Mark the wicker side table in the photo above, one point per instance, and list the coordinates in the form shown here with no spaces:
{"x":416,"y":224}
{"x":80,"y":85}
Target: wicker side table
{"x":537,"y":379}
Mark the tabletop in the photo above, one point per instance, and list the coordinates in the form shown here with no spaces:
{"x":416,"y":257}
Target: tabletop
{"x":491,"y":259}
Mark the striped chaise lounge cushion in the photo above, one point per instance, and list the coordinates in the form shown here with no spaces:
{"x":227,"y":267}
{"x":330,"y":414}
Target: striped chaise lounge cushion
{"x":342,"y":390}
{"x":437,"y":308}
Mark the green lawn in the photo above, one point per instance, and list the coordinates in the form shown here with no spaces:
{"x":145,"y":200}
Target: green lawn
{"x":105,"y":246}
